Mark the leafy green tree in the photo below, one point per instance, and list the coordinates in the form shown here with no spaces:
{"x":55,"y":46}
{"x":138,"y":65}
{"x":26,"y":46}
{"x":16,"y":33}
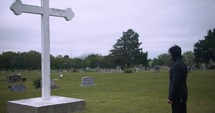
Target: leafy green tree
{"x":189,"y":58}
{"x":77,"y":63}
{"x":108,"y":62}
{"x":163,"y":60}
{"x":33,"y":60}
{"x":204,"y":50}
{"x":127,"y":52}
{"x":56,"y":62}
{"x":17,"y":62}
{"x":5,"y":59}
{"x":93,"y":60}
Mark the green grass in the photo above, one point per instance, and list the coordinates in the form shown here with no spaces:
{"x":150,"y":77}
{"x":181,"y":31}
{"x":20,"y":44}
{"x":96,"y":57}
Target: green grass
{"x":142,"y":92}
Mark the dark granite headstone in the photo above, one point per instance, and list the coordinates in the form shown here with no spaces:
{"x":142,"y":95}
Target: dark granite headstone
{"x":14,"y":78}
{"x":17,"y":88}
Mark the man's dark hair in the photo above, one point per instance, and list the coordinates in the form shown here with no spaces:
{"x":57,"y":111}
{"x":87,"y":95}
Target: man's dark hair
{"x":175,"y":52}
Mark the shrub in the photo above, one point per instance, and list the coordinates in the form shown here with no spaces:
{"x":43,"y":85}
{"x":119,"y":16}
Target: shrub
{"x":23,"y":79}
{"x":127,"y":70}
{"x":37,"y":82}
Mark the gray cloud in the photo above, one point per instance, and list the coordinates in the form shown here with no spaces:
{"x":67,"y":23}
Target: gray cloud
{"x":99,"y":23}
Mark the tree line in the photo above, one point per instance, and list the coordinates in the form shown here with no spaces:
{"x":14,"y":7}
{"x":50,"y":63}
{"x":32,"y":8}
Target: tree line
{"x":203,"y":52}
{"x":126,"y":53}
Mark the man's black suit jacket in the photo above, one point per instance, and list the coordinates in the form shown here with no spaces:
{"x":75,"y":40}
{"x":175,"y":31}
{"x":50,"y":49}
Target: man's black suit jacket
{"x":178,"y":88}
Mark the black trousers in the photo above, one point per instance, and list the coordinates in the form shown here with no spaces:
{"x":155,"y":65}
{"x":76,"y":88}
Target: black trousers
{"x":179,"y":108}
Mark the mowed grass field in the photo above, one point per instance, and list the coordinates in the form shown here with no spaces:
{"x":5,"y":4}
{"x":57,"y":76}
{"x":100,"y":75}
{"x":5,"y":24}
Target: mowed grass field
{"x":138,"y":92}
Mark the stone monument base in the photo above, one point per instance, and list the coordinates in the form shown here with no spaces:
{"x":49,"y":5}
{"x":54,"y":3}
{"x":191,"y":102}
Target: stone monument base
{"x":57,"y":104}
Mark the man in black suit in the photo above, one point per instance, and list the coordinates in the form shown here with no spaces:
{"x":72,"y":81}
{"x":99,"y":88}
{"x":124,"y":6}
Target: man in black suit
{"x":177,"y":88}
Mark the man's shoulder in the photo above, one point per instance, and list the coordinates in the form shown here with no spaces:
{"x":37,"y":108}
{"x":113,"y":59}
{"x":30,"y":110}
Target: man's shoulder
{"x":178,"y":63}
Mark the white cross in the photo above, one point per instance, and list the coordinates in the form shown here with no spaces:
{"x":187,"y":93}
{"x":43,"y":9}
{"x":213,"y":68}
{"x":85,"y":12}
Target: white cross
{"x":18,"y":8}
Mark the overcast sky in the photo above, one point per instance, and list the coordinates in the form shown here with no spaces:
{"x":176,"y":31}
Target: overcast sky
{"x":99,"y":23}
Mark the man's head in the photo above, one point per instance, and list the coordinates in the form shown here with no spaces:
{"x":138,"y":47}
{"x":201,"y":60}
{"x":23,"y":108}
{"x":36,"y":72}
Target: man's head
{"x":175,"y":52}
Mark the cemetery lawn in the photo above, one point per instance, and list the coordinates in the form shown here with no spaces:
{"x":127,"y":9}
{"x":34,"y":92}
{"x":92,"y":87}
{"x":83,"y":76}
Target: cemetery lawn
{"x":142,"y":92}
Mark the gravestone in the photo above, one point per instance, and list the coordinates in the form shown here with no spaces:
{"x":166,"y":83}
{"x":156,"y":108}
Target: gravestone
{"x":53,"y":84}
{"x":87,"y":81}
{"x":142,"y":68}
{"x":87,"y":69}
{"x":189,"y":69}
{"x":17,"y":88}
{"x":15,"y":78}
{"x":118,"y":69}
{"x":157,"y":68}
{"x":203,"y":67}
{"x":137,"y":69}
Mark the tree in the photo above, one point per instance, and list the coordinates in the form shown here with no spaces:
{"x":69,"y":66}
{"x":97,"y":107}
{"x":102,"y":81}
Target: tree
{"x":108,"y":62}
{"x":204,"y":50}
{"x":93,"y":60}
{"x":5,"y":59}
{"x":189,"y":58}
{"x":163,"y":60}
{"x":127,"y":51}
{"x":32,"y":60}
{"x":77,"y":63}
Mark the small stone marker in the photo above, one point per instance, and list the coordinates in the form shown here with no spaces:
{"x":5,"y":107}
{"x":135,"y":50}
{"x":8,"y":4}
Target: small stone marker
{"x":17,"y":88}
{"x":15,"y":78}
{"x":87,"y":81}
{"x":157,"y":68}
{"x":53,"y":84}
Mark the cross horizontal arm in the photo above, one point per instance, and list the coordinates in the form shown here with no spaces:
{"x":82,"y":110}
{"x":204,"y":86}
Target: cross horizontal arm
{"x":67,"y":14}
{"x":18,"y":8}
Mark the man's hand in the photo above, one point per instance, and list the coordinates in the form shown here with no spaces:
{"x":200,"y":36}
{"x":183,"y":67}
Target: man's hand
{"x":169,"y":101}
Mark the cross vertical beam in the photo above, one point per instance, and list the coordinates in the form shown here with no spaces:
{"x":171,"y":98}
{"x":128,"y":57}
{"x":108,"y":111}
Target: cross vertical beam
{"x":45,"y":34}
{"x":18,"y":8}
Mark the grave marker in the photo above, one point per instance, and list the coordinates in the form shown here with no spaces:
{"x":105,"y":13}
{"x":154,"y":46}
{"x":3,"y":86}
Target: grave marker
{"x":17,"y":88}
{"x":54,"y":84}
{"x":14,"y":78}
{"x":87,"y":81}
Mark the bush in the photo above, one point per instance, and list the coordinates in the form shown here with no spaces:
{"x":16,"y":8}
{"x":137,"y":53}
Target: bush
{"x":127,"y":70}
{"x":23,"y":79}
{"x":37,"y":82}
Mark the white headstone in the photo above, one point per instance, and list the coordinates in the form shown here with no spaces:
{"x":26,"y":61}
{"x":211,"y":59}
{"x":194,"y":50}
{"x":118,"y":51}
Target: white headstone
{"x":18,"y":8}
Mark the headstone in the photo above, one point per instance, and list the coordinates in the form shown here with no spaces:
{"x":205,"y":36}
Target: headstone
{"x":142,"y":68}
{"x":157,"y":68}
{"x":98,"y":69}
{"x":203,"y":67}
{"x":118,"y":69}
{"x":87,"y":81}
{"x":53,"y":84}
{"x":17,"y":88}
{"x":137,"y":69}
{"x":87,"y":69}
{"x":15,"y":78}
{"x":189,"y":68}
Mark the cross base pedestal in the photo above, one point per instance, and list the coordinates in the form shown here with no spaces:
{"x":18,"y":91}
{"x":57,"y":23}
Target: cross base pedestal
{"x":57,"y":104}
